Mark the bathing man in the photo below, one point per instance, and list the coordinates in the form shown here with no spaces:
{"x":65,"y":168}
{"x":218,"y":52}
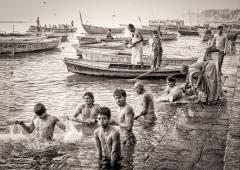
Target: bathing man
{"x":147,"y":103}
{"x":107,"y":140}
{"x":43,"y":122}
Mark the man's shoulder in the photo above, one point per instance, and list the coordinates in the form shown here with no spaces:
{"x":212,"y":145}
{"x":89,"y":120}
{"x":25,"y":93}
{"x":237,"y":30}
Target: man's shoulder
{"x":96,"y":131}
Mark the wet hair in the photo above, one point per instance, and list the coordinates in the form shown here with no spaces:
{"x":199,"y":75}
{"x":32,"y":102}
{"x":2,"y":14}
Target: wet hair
{"x":220,"y":27}
{"x":104,"y":111}
{"x":131,"y":26}
{"x":89,"y":94}
{"x":120,"y":92}
{"x":171,"y":79}
{"x":39,"y":109}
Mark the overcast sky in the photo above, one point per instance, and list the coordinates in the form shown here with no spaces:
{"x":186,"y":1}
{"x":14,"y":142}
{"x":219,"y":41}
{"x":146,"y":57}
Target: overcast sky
{"x":105,"y":12}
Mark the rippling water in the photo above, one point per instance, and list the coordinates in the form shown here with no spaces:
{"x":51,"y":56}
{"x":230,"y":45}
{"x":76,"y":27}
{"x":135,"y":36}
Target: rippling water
{"x":42,"y":77}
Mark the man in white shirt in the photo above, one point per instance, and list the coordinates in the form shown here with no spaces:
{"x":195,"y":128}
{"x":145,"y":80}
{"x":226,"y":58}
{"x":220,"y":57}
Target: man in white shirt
{"x":218,"y":44}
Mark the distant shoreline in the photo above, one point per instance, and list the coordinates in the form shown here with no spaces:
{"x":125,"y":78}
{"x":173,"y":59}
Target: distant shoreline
{"x":13,"y":22}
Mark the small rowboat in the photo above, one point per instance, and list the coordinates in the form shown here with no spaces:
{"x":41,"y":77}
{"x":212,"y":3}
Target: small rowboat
{"x":117,"y":70}
{"x":19,"y":45}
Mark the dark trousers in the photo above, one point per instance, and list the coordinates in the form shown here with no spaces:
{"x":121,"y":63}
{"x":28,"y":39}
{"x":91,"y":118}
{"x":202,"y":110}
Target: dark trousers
{"x":210,"y":50}
{"x":157,"y":57}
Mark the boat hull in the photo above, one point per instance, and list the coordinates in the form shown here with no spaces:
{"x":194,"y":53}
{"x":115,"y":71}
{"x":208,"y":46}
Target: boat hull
{"x":20,"y":46}
{"x":91,"y":29}
{"x":194,"y":33}
{"x":88,"y":68}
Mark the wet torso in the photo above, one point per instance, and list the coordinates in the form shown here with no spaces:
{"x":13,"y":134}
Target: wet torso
{"x":45,"y":127}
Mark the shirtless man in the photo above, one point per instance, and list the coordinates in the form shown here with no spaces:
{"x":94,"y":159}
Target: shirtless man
{"x":125,"y":117}
{"x":172,"y":92}
{"x":88,"y":110}
{"x":147,"y":103}
{"x":43,"y":122}
{"x":107,"y":139}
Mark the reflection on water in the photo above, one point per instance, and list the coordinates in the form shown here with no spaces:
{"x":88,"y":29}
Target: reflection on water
{"x":29,"y":78}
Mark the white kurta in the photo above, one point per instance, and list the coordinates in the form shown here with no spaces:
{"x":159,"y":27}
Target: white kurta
{"x":137,"y":50}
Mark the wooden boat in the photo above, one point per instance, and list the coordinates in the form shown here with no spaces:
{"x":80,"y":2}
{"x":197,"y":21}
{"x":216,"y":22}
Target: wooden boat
{"x":62,"y":36}
{"x":186,"y":30}
{"x":168,"y":36}
{"x":19,"y":45}
{"x":124,"y":56}
{"x":84,"y":40}
{"x":91,"y":29}
{"x":52,"y":29}
{"x":117,"y":70}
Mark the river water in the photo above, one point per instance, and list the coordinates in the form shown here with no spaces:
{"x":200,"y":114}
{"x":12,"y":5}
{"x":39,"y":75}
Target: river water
{"x":29,"y":78}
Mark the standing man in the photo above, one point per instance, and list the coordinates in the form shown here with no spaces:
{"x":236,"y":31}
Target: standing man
{"x":125,"y":117}
{"x":88,"y":110}
{"x":43,"y":122}
{"x":218,"y":44}
{"x":38,"y":24}
{"x":147,"y":103}
{"x":136,"y":45}
{"x":107,"y":140}
{"x":156,"y":49}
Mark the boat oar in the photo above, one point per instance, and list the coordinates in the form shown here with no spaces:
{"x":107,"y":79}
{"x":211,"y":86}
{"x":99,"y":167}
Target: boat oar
{"x":144,"y":74}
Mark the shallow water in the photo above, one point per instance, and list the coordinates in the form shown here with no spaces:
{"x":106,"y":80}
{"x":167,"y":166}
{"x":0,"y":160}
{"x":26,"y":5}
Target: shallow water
{"x":42,"y":77}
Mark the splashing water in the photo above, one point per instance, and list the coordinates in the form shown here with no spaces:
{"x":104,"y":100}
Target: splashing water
{"x":72,"y":135}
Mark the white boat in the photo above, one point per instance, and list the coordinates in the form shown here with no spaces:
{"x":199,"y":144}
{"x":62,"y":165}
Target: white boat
{"x":19,"y":45}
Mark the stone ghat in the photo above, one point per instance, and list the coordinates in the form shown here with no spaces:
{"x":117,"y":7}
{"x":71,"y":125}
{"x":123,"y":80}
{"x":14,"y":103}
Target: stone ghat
{"x":205,"y":137}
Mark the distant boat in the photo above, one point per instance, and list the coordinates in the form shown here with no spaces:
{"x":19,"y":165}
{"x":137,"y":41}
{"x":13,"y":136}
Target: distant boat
{"x":91,"y":29}
{"x":19,"y":45}
{"x":63,"y":36}
{"x":185,"y":30}
{"x":52,"y":29}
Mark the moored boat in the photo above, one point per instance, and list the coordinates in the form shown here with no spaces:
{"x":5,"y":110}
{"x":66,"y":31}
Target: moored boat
{"x":117,"y":70}
{"x":124,"y":56}
{"x":12,"y":45}
{"x":186,"y":30}
{"x":91,"y":29}
{"x":63,"y":36}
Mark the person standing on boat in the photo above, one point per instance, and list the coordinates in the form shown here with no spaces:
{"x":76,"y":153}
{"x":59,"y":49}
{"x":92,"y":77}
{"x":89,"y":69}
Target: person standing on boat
{"x":219,"y":44}
{"x":107,"y":141}
{"x":88,"y":110}
{"x":156,"y":49}
{"x":125,"y":118}
{"x":38,"y":24}
{"x":109,"y":34}
{"x":136,"y":44}
{"x":146,"y":102}
{"x":43,"y":122}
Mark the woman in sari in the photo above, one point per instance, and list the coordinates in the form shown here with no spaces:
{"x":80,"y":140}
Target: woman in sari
{"x":205,"y":74}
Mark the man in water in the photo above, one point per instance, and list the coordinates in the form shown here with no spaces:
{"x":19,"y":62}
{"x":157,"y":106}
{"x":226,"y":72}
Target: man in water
{"x":125,"y":117}
{"x":136,"y":45}
{"x":172,"y":92}
{"x":107,"y":139}
{"x":147,"y":103}
{"x":88,"y":110}
{"x":43,"y":122}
